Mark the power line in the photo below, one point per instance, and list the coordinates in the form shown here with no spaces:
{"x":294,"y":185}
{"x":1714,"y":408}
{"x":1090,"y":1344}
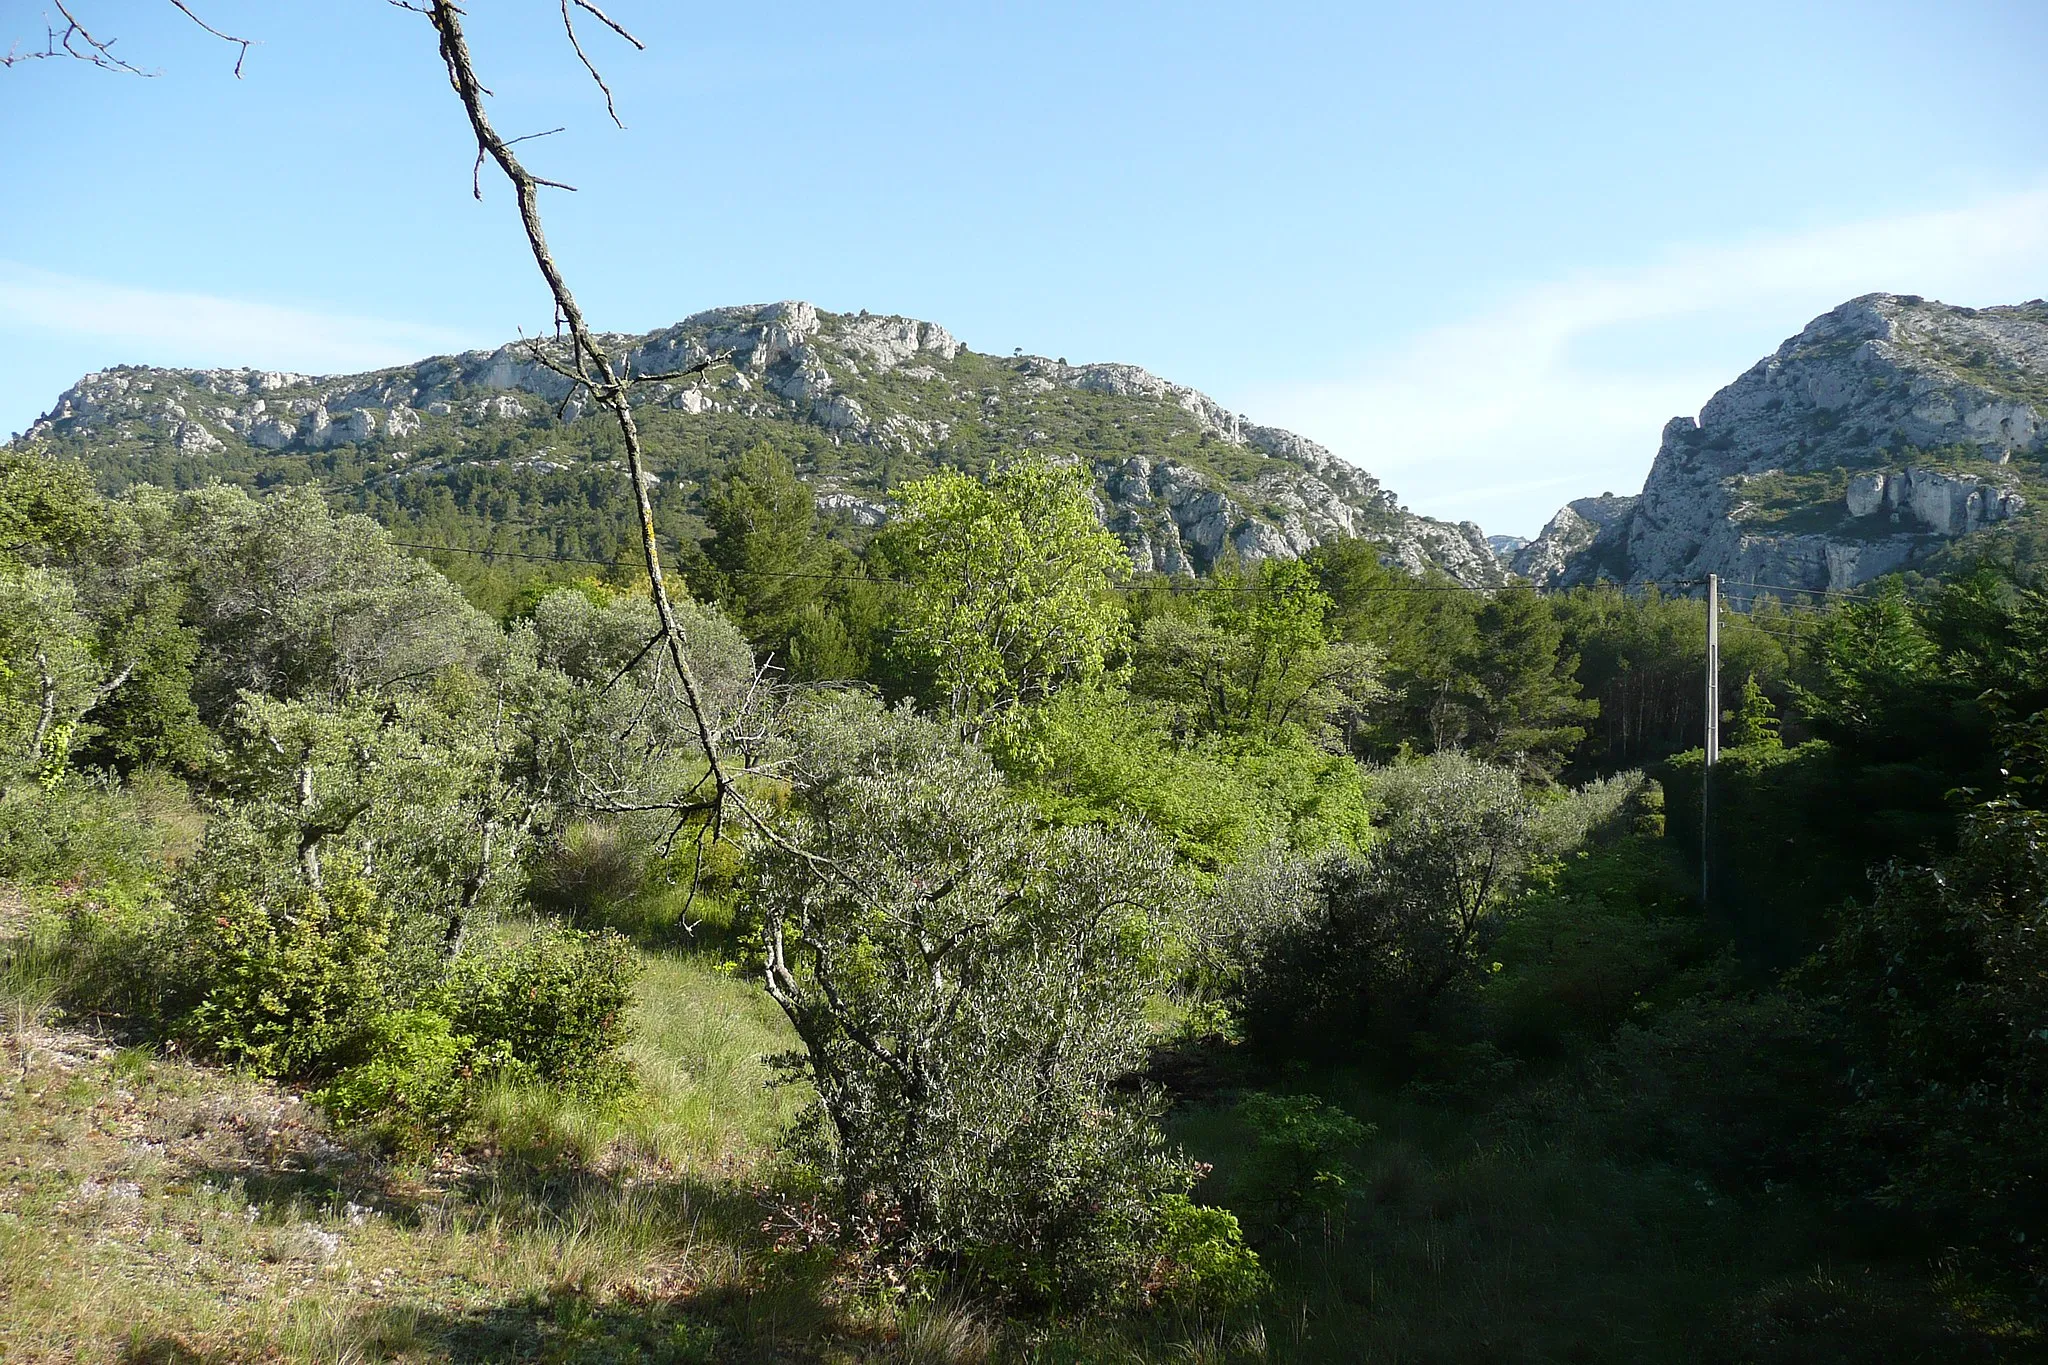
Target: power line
{"x":1783,"y":587}
{"x":1172,"y":585}
{"x":505,"y":554}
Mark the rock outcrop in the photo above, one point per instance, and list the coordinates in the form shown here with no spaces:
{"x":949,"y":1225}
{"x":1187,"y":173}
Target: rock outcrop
{"x":1183,"y":480}
{"x":1869,"y":443}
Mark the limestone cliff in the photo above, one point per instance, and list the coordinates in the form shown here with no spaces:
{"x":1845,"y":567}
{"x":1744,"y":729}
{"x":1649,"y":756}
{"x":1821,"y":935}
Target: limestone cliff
{"x":1184,"y":481}
{"x":1871,"y":442}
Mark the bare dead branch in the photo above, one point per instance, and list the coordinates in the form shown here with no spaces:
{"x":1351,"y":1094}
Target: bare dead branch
{"x":707,"y":363}
{"x":610,"y":385}
{"x":528,"y":137}
{"x":241,"y":57}
{"x":79,"y":43}
{"x":609,"y":23}
{"x":97,"y":52}
{"x":569,"y":26}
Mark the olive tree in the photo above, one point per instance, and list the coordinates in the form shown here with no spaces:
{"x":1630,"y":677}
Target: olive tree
{"x":1388,"y":931}
{"x":969,"y":990}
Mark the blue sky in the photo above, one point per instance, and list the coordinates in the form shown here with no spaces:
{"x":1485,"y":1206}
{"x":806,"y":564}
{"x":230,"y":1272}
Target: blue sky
{"x":1482,"y":249}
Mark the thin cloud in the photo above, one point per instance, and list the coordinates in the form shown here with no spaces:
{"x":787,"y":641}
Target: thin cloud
{"x":154,"y":326}
{"x":1578,"y":375}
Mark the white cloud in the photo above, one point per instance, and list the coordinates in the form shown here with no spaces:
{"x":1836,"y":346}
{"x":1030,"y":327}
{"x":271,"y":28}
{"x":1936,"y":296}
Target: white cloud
{"x":1562,"y":390}
{"x":153,"y":326}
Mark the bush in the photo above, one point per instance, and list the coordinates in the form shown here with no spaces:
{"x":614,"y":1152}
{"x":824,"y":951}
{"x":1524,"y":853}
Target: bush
{"x":551,"y":1007}
{"x":1940,"y":988}
{"x":78,"y":831}
{"x":281,"y":977}
{"x":1599,"y":811}
{"x":1609,"y":936}
{"x":413,"y":1089}
{"x":970,"y":991}
{"x":1388,"y":933}
{"x":1744,"y":1088}
{"x":1202,"y":1261}
{"x":1300,"y":1162}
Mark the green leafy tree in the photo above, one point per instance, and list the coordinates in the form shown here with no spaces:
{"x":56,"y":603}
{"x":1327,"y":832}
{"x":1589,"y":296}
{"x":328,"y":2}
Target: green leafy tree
{"x":1006,"y":595}
{"x":49,"y":678}
{"x":1880,"y":677}
{"x":1262,"y":662}
{"x":1754,"y":722}
{"x":1940,"y":985}
{"x":290,"y":600}
{"x":1523,"y":707}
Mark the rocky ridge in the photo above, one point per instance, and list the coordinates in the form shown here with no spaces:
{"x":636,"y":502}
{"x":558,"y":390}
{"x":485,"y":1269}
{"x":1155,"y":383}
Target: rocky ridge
{"x":1185,"y":482}
{"x":1886,"y":430}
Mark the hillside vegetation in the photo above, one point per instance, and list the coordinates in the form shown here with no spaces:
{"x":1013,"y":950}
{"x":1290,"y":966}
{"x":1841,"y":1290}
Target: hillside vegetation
{"x":1299,"y":962}
{"x":488,"y":450}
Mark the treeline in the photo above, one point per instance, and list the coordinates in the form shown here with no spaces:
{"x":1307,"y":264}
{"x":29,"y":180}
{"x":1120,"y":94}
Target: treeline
{"x":996,"y":828}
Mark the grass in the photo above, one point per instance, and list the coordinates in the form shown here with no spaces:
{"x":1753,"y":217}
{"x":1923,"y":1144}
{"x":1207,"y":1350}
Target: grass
{"x":156,"y":1210}
{"x":153,"y":1209}
{"x":704,"y":1106}
{"x":1464,"y":1243}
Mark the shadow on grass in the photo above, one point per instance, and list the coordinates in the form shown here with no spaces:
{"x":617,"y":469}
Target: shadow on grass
{"x":593,"y":1266}
{"x":774,"y":1322}
{"x":724,"y":1296}
{"x":165,"y":1350}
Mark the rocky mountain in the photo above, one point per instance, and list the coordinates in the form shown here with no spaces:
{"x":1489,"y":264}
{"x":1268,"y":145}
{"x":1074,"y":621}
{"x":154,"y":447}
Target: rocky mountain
{"x":1891,"y":433}
{"x":862,"y":401}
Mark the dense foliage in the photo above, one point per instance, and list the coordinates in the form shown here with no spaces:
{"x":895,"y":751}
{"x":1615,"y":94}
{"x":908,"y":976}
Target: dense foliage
{"x":1052,"y":871}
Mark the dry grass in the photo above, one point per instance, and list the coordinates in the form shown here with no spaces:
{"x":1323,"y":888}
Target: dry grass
{"x":151,"y":1209}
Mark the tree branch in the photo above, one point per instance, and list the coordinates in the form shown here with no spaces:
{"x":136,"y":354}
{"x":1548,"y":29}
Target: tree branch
{"x":79,"y":43}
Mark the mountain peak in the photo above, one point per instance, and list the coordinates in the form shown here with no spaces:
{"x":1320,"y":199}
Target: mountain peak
{"x":1886,"y":430}
{"x":869,"y":399}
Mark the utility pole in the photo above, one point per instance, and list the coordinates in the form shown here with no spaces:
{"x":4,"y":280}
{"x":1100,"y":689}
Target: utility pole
{"x":1712,"y":743}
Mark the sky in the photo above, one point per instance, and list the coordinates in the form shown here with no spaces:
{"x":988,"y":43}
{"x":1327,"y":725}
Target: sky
{"x":1484,"y":250}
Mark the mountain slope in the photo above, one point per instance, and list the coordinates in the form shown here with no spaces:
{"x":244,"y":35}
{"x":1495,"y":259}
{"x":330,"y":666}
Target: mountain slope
{"x":1892,"y":433}
{"x":862,"y":401}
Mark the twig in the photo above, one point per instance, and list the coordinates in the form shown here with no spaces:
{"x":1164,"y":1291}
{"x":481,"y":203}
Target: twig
{"x":596,"y":372}
{"x":569,"y":26}
{"x":243,"y":56}
{"x":99,"y":52}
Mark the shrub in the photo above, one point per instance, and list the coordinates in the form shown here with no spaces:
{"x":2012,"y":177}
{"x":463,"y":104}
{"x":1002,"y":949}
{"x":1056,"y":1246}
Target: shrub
{"x":1599,"y":811}
{"x":1940,"y":987}
{"x":281,"y":976}
{"x":1611,"y":934}
{"x":551,"y":1007}
{"x":77,"y":831}
{"x":1742,"y":1087}
{"x":1388,"y":933}
{"x":1300,"y":1160}
{"x":1202,"y":1261}
{"x":412,"y":1089}
{"x":969,"y":991}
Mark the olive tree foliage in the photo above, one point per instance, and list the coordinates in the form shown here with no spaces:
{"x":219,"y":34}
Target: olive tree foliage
{"x":616,"y":734}
{"x":968,"y":991}
{"x":291,"y":600}
{"x":1388,"y":931}
{"x":1005,"y":598}
{"x":49,"y":677}
{"x":420,"y":789}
